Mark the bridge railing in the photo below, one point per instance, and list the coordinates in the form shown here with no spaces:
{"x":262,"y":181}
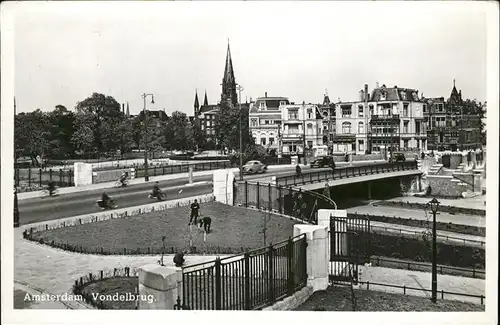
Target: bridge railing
{"x":291,"y":201}
{"x":345,"y":172}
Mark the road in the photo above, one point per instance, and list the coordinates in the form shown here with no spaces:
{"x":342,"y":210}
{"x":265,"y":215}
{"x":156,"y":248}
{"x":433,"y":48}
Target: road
{"x":68,"y":205}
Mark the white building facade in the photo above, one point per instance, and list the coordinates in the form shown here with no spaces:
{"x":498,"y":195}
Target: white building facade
{"x":301,"y":125}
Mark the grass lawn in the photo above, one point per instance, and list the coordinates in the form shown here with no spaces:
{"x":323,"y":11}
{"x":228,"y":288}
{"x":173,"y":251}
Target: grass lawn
{"x":110,"y":286}
{"x":233,"y":229}
{"x":339,"y":299}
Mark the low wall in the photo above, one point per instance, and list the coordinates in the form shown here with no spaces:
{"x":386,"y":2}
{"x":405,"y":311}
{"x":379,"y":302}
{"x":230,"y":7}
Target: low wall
{"x":292,"y":302}
{"x":473,"y":181}
{"x":109,"y":175}
{"x":374,"y":156}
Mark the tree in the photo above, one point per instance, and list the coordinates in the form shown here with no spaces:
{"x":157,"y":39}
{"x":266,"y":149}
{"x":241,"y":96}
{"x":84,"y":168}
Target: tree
{"x":179,"y":132}
{"x":101,"y":116}
{"x":227,"y":128}
{"x":31,"y":131}
{"x":61,"y":122}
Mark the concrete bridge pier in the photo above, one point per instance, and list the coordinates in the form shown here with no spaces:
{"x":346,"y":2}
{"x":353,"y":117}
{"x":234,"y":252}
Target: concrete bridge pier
{"x":369,"y":185}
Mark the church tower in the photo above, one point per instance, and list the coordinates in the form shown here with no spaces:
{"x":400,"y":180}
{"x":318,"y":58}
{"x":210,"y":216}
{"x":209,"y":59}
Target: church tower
{"x":228,"y":81}
{"x":205,"y":101}
{"x":196,"y":104}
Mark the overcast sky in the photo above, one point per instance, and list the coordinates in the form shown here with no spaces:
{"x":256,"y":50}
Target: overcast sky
{"x":64,"y":51}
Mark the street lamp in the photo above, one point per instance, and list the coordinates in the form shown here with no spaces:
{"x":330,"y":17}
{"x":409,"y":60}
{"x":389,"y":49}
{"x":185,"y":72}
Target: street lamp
{"x":144,"y":96}
{"x":240,"y":88}
{"x":16,"y":210}
{"x":434,"y":208}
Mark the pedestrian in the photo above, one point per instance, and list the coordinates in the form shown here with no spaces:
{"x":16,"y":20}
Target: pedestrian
{"x":195,"y":208}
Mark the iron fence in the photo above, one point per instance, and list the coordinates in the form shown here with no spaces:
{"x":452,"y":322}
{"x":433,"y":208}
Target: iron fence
{"x":248,"y":281}
{"x":441,"y":293}
{"x":290,"y":201}
{"x":32,"y":179}
{"x":345,"y":172}
{"x":165,"y":169}
{"x":426,"y":267}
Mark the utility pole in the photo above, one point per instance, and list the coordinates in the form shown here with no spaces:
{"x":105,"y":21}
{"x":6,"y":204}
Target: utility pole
{"x":144,"y":96}
{"x":240,"y":88}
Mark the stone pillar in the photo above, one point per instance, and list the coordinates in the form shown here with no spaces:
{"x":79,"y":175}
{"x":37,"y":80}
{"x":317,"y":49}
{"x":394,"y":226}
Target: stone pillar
{"x":190,"y":174}
{"x":164,"y":283}
{"x":317,"y":254}
{"x":223,"y":186}
{"x":82,"y":173}
{"x":369,"y":184}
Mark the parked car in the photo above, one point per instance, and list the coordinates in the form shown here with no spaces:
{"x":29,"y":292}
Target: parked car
{"x":397,"y":157}
{"x":322,"y":162}
{"x":254,"y":167}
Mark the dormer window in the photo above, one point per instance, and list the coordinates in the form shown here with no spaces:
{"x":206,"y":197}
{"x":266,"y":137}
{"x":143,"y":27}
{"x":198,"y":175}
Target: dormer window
{"x":262,"y":104}
{"x":309,"y":114}
{"x":383,"y":95}
{"x":282,"y":103}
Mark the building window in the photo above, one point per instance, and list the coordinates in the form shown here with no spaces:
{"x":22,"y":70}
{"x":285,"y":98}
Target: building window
{"x":405,"y":110}
{"x":360,"y":110}
{"x":266,"y":122}
{"x":346,"y":111}
{"x":254,"y":122}
{"x":417,"y":127}
{"x":346,"y":128}
{"x":371,"y":109}
{"x":405,"y":143}
{"x":361,"y":127}
{"x":293,"y":115}
{"x":309,"y":144}
{"x":425,"y":108}
{"x":202,"y":127}
{"x":382,"y":95}
{"x":263,"y":141}
{"x":293,"y":129}
{"x":361,"y":145}
{"x":262,"y":104}
{"x":309,"y":128}
{"x":282,"y":103}
{"x":271,"y":141}
{"x":405,"y":126}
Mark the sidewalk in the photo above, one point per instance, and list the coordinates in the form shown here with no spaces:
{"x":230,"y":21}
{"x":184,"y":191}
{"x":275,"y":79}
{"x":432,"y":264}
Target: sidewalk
{"x":476,"y":202}
{"x":416,"y":279}
{"x":73,"y":189}
{"x":55,"y":271}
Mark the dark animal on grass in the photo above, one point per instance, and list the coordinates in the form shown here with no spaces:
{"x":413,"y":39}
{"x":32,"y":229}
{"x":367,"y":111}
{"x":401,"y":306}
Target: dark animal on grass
{"x":206,"y":222}
{"x":179,"y":259}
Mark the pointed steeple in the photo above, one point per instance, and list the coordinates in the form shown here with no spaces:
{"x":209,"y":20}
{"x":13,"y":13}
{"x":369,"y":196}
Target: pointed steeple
{"x":196,"y":103}
{"x":455,"y":97}
{"x":326,"y":99}
{"x":205,"y":101}
{"x":128,"y":111}
{"x":229,"y":81}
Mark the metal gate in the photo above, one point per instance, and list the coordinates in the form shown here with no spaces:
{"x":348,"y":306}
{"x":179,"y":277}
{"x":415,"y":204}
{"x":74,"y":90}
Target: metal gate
{"x":349,"y":247}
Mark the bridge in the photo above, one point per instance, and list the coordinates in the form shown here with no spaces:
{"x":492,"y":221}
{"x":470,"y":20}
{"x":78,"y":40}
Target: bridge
{"x":301,"y":196}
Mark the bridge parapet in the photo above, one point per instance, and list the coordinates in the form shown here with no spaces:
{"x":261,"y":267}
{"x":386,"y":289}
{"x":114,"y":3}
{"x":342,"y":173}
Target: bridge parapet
{"x":344,"y":172}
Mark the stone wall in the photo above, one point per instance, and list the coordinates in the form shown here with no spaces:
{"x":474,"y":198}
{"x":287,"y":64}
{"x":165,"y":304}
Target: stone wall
{"x":443,"y":186}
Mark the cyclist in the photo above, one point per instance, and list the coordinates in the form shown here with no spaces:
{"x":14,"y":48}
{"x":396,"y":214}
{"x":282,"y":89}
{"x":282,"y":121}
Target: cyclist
{"x":298,"y":170}
{"x":123,"y":178}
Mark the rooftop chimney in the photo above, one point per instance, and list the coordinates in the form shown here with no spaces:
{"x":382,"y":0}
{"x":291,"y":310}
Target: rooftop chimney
{"x":376,"y":84}
{"x":265,"y":94}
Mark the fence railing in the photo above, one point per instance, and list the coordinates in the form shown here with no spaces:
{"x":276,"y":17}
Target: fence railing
{"x":157,"y":169}
{"x":83,"y":281}
{"x":32,"y":179}
{"x":294,"y":202}
{"x":345,"y":172}
{"x":426,"y":267}
{"x":441,"y":293}
{"x":248,"y":281}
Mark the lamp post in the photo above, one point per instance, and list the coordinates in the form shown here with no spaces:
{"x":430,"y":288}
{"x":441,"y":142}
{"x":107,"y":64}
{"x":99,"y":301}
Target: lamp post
{"x":16,"y":175}
{"x":144,"y":96}
{"x":434,"y":208}
{"x":240,"y":88}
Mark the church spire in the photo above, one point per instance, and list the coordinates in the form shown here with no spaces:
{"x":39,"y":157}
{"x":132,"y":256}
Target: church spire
{"x":196,"y":103}
{"x":205,"y":101}
{"x":128,"y":110}
{"x":229,"y":81}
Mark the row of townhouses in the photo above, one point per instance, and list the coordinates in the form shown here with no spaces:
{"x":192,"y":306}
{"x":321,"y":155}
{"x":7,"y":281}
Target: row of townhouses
{"x":382,"y":117}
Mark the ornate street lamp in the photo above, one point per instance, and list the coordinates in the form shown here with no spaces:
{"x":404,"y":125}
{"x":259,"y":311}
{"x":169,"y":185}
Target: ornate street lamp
{"x":16,"y":210}
{"x":240,"y":88}
{"x":144,"y":96}
{"x":434,"y":204}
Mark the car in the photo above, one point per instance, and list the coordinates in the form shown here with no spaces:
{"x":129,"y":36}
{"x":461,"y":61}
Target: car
{"x":398,"y":157}
{"x":254,"y":167}
{"x":322,"y":162}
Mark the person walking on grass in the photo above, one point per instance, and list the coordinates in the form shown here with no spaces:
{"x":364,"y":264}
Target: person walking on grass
{"x":195,"y":209}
